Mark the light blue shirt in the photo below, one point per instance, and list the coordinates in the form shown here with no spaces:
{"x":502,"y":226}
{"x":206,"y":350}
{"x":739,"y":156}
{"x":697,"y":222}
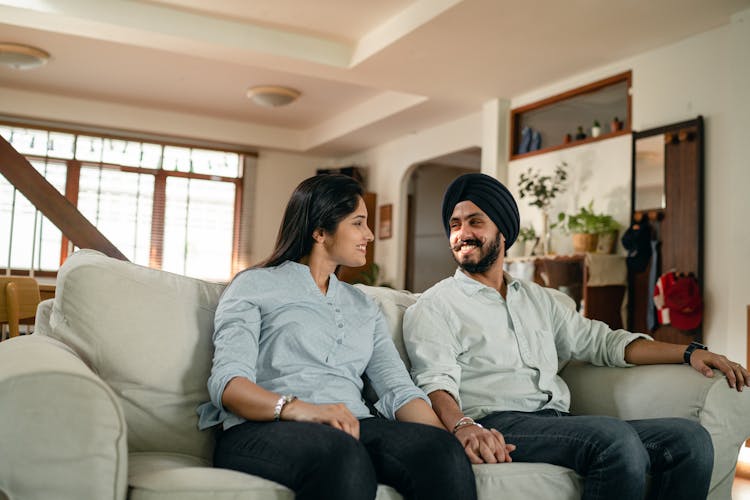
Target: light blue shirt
{"x":275,"y":327}
{"x":493,"y":354}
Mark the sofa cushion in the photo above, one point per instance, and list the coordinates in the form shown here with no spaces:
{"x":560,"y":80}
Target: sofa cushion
{"x":147,"y":334}
{"x":165,"y":476}
{"x":168,"y":476}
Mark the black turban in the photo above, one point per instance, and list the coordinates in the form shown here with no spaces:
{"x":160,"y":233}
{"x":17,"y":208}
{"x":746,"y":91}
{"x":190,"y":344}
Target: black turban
{"x":491,"y":196}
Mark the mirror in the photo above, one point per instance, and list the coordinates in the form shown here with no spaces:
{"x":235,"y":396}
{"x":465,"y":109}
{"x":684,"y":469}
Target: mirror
{"x":649,"y":173}
{"x":667,"y":188}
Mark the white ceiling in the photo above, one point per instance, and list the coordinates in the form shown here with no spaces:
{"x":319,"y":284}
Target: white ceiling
{"x":369,"y":71}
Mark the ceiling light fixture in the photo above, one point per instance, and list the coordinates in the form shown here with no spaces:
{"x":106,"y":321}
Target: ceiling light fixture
{"x":19,"y":56}
{"x":272,"y":96}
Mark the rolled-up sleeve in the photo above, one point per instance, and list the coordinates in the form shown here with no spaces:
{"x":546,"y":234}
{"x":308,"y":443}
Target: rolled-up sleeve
{"x":388,"y":375}
{"x":433,"y":349}
{"x":236,"y":336}
{"x":590,"y":340}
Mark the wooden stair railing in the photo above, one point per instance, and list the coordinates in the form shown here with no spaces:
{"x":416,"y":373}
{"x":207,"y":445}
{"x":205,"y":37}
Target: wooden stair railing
{"x":51,"y":203}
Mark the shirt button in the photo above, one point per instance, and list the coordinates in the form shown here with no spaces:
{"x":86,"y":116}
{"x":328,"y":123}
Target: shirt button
{"x":338,"y":310}
{"x":341,"y":325}
{"x":339,"y":341}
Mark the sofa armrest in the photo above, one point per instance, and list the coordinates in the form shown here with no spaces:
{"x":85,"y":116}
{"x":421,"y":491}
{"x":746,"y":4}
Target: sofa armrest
{"x":668,"y":391}
{"x":63,"y":433}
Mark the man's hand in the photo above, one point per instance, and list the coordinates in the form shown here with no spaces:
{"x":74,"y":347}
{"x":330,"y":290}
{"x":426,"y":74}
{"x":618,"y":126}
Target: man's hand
{"x":337,"y":416}
{"x":737,"y":375}
{"x":484,"y":446}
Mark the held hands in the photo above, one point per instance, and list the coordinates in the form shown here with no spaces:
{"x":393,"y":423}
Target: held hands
{"x":337,"y":416}
{"x":484,"y":446}
{"x":737,"y":376}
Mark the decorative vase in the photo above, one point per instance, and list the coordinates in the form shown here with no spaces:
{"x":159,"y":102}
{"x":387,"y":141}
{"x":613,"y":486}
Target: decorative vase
{"x":545,"y":236}
{"x":529,"y":247}
{"x":606,"y":242}
{"x":516,"y":250}
{"x":595,"y":131}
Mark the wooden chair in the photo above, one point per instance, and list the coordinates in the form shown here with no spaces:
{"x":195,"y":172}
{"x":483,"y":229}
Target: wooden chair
{"x":19,"y":297}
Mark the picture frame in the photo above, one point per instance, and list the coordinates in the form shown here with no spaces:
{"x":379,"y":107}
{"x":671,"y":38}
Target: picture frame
{"x":385,"y":226}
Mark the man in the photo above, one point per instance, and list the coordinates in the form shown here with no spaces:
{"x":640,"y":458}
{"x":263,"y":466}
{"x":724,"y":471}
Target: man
{"x":485,"y":347}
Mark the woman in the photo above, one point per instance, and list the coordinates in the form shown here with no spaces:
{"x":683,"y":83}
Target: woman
{"x":291,"y":345}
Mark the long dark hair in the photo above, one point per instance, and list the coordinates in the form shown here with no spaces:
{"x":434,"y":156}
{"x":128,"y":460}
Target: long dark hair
{"x":320,"y":202}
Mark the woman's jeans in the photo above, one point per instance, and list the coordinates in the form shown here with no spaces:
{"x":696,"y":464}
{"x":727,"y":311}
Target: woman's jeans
{"x":614,"y":456}
{"x":320,"y":462}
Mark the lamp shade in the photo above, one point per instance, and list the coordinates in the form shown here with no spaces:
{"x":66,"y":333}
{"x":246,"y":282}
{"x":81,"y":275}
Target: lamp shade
{"x":272,"y":96}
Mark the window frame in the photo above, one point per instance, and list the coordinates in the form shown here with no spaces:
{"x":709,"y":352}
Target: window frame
{"x":72,"y":188}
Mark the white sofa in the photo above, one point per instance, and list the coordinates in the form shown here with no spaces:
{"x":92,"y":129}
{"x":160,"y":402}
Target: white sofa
{"x":100,"y":402}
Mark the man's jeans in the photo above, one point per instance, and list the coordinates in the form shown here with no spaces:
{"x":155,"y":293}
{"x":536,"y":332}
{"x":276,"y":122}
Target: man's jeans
{"x":320,"y":462}
{"x":614,"y":456}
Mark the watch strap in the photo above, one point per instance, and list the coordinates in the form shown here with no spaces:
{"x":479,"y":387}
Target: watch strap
{"x":690,"y":348}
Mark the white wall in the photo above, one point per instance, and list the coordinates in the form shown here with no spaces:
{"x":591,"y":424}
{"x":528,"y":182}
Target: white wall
{"x":730,"y":229}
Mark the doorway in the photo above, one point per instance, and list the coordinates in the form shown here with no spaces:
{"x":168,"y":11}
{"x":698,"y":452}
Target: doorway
{"x":428,"y":258}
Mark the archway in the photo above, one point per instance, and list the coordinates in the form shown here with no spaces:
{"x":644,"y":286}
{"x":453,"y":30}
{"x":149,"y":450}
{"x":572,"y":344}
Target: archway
{"x":428,"y":259}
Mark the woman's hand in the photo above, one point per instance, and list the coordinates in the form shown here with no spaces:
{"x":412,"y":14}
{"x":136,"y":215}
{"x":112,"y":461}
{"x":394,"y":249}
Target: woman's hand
{"x":337,"y":415}
{"x":484,"y":446}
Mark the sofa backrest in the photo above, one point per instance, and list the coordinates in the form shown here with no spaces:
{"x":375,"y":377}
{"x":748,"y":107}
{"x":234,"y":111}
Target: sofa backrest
{"x":393,"y":303}
{"x":147,"y":334}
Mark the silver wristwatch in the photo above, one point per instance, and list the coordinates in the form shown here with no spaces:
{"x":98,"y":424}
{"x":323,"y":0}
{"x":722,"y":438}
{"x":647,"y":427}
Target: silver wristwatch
{"x":281,"y":403}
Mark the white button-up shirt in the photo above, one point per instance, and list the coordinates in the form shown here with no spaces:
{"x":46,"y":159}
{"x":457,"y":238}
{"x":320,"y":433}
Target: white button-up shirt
{"x":494,"y":354}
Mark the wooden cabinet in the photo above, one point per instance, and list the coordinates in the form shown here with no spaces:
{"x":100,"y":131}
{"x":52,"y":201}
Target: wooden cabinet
{"x":596,"y":282}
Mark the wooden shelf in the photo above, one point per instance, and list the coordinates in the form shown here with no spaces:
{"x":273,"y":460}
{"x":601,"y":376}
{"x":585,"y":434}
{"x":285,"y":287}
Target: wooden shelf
{"x":555,"y":117}
{"x":572,"y":144}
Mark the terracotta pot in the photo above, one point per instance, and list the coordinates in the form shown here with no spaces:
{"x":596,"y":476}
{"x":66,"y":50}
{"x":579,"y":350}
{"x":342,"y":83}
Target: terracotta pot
{"x":584,"y":242}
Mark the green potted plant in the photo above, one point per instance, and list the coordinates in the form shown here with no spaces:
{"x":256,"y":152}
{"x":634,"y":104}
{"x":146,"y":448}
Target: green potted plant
{"x":596,"y":129}
{"x":540,"y":190}
{"x":587,"y":227}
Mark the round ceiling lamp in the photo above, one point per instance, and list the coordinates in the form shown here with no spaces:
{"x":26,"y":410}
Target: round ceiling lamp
{"x":272,"y":96}
{"x":19,"y":56}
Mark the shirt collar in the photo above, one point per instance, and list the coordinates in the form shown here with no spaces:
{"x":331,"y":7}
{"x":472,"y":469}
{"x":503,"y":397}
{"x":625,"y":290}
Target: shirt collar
{"x":304,"y":271}
{"x":470,"y":286}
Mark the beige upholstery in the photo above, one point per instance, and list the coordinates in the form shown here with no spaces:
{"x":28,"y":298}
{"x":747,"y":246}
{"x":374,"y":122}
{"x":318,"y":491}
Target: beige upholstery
{"x":100,"y":402}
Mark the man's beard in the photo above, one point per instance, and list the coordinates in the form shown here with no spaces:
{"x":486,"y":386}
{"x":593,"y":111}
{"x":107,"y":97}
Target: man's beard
{"x":486,"y":260}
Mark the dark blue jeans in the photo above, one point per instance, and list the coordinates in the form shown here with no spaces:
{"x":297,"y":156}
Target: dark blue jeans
{"x":320,"y":462}
{"x":614,"y":456}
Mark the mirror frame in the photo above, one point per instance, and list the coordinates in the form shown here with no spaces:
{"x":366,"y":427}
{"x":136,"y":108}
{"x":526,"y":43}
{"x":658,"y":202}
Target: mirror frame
{"x":676,"y":207}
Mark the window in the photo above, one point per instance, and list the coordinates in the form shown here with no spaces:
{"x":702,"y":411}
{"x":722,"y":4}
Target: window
{"x":164,"y":206}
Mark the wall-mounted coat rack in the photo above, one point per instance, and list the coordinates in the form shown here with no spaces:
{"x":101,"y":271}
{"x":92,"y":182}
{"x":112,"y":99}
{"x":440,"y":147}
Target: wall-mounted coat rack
{"x":667,"y":188}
